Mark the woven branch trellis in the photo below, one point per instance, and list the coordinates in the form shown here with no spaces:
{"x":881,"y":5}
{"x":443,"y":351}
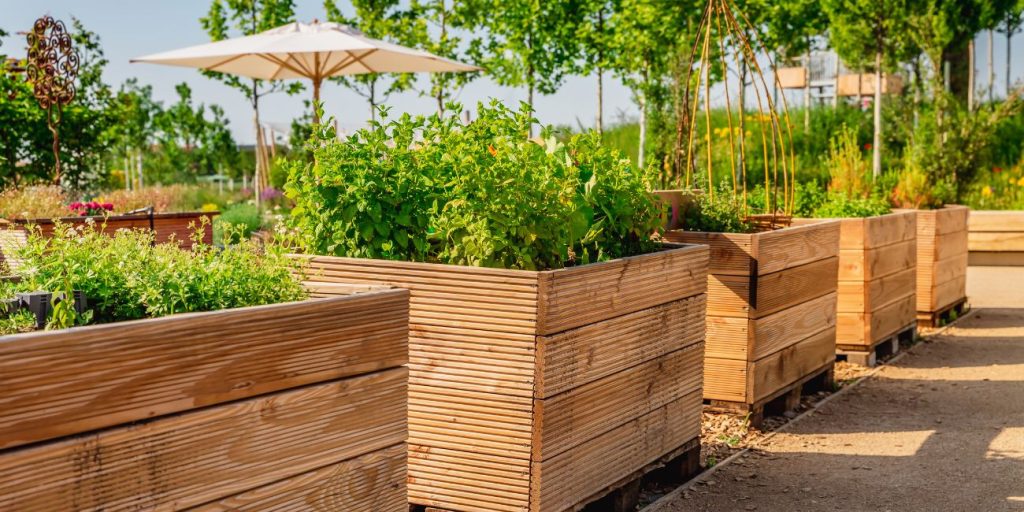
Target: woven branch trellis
{"x":725,"y":31}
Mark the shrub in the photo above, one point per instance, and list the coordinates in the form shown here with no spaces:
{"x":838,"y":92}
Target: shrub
{"x":235,"y":223}
{"x":722,"y":213}
{"x":33,"y":202}
{"x":126,"y":276}
{"x":430,"y":189}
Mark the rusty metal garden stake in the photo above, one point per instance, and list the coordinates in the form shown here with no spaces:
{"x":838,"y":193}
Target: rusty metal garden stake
{"x":52,"y":68}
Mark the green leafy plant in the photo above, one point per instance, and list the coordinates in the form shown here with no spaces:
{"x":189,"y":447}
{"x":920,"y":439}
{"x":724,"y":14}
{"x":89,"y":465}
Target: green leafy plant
{"x":431,"y":189}
{"x":235,"y":223}
{"x":125,"y":276}
{"x":721,"y":213}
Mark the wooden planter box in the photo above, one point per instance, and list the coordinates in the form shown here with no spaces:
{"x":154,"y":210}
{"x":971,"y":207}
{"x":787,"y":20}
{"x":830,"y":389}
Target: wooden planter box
{"x":877,"y":272}
{"x":771,"y":311}
{"x":165,"y":226}
{"x":541,"y":391}
{"x":289,"y":406}
{"x":941,"y":262}
{"x":996,"y":238}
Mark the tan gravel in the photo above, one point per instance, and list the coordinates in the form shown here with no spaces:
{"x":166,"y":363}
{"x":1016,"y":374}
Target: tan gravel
{"x":941,"y":429}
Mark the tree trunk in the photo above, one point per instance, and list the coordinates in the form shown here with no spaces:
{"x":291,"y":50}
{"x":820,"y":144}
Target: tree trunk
{"x":643,"y":131}
{"x":373,"y":100}
{"x":835,"y":85}
{"x":991,"y":63}
{"x":970,"y":75}
{"x":1009,"y":36}
{"x":600,"y":101}
{"x":876,"y":156}
{"x":257,"y":152}
{"x":807,"y":92}
{"x":959,"y":62}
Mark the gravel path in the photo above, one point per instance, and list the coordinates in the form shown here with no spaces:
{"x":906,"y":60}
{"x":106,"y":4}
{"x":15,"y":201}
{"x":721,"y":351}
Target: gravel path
{"x":941,"y":429}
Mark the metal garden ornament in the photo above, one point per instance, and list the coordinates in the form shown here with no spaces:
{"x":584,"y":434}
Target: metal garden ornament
{"x":52,"y":67}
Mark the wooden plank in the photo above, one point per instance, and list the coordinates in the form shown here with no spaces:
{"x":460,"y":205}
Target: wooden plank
{"x":852,"y":328}
{"x":577,"y":416}
{"x":889,"y":319}
{"x":579,"y":356}
{"x":1006,"y":241}
{"x":856,"y":265}
{"x":729,"y":295}
{"x":730,"y":253}
{"x":886,"y":290}
{"x":949,"y":292}
{"x":563,"y":481}
{"x":781,"y":290}
{"x":789,"y":327}
{"x":794,"y":246}
{"x":373,"y":483}
{"x":462,"y":480}
{"x":728,"y":338}
{"x":949,"y":269}
{"x":991,"y":221}
{"x":775,"y":372}
{"x":210,"y":454}
{"x":725,"y":379}
{"x":951,"y":245}
{"x":592,"y":293}
{"x":996,"y":259}
{"x":58,"y":383}
{"x":889,"y":229}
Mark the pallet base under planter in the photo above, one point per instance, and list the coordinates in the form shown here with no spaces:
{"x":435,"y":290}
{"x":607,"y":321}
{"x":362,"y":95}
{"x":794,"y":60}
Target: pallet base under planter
{"x":785,"y":399}
{"x":926,"y":320}
{"x":675,"y":468}
{"x":888,"y":346}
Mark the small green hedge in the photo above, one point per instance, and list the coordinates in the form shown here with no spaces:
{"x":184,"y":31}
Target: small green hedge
{"x":430,"y":189}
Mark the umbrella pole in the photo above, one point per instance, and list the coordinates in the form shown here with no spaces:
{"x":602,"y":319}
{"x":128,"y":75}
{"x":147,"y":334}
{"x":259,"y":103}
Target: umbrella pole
{"x":316,"y":100}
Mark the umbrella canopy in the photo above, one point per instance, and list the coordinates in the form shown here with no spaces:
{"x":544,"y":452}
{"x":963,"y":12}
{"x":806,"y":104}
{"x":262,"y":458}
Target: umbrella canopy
{"x":312,"y":51}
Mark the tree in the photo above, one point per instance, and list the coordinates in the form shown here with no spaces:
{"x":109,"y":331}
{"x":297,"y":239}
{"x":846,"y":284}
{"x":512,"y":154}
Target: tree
{"x":870,"y":34}
{"x":595,"y":37}
{"x":385,"y":20}
{"x":448,"y":20}
{"x":1012,"y":21}
{"x":230,"y":18}
{"x":192,"y":143}
{"x":529,"y":43}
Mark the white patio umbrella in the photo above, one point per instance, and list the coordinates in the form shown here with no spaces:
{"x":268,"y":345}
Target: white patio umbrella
{"x":312,"y":51}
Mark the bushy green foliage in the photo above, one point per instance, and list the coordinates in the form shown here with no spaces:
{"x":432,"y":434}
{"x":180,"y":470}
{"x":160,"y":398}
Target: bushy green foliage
{"x":841,"y":206}
{"x":125,"y":276}
{"x":722,"y":213}
{"x":430,"y":189}
{"x":235,"y":223}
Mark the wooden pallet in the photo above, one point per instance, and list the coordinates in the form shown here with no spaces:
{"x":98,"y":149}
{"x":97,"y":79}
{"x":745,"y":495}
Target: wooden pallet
{"x":886,"y":347}
{"x":675,"y":468}
{"x":785,"y":399}
{"x":943,"y":316}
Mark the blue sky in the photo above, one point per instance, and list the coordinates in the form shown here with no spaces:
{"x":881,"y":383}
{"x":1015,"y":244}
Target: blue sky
{"x":134,"y":28}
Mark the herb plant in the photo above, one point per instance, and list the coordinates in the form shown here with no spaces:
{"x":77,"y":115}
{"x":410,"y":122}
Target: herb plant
{"x":721,"y":213}
{"x":124,"y":276}
{"x":430,"y":189}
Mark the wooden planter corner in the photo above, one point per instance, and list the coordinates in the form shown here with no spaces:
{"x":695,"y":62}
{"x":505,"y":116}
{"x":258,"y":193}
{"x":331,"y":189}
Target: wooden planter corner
{"x":297,"y":405}
{"x":540,"y":391}
{"x":771,"y":310}
{"x":941,"y":262}
{"x":877,"y":272}
{"x":996,"y":238}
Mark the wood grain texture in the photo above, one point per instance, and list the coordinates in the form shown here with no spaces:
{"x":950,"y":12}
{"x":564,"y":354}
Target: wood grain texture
{"x":941,"y":256}
{"x":513,"y":369}
{"x":372,"y":483}
{"x":992,"y":221}
{"x":785,"y":294}
{"x":210,"y":454}
{"x":177,"y":228}
{"x":789,"y":365}
{"x":64,"y":382}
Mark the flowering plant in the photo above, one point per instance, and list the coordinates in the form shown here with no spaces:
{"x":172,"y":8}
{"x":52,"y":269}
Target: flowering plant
{"x":90,"y":208}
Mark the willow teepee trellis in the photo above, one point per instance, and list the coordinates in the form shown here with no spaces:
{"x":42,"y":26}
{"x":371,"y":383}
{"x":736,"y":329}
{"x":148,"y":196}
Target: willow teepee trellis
{"x":725,"y":30}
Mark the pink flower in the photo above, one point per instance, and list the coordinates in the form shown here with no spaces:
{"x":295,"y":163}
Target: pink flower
{"x":108,"y":207}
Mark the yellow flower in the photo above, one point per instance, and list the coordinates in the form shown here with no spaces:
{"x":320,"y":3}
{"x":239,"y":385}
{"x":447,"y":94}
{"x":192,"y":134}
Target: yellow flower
{"x":987,"y":191}
{"x":209,"y":207}
{"x":1020,"y":182}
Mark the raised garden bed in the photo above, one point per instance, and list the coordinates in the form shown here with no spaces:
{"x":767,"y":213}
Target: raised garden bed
{"x":877,"y":272}
{"x":771,"y":311}
{"x":996,"y":238}
{"x":941,"y":262}
{"x":541,"y":391}
{"x":165,"y":226}
{"x":294,"y":405}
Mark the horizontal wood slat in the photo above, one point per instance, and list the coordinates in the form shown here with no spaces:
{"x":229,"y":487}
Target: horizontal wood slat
{"x":64,"y":382}
{"x":199,"y":456}
{"x":941,"y":257}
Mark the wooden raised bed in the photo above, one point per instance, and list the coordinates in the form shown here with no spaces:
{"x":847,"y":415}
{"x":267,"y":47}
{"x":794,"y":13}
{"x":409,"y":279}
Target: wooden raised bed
{"x":166,"y":227}
{"x":771,"y":311}
{"x":540,"y":391}
{"x":296,"y":405}
{"x":996,"y":238}
{"x":941,"y":262}
{"x":877,"y":272}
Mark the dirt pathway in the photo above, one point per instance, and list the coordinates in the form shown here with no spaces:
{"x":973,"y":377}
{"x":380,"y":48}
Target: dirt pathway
{"x":941,"y":429}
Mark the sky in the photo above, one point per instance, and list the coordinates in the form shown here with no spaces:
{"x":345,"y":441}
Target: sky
{"x":133,"y":28}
